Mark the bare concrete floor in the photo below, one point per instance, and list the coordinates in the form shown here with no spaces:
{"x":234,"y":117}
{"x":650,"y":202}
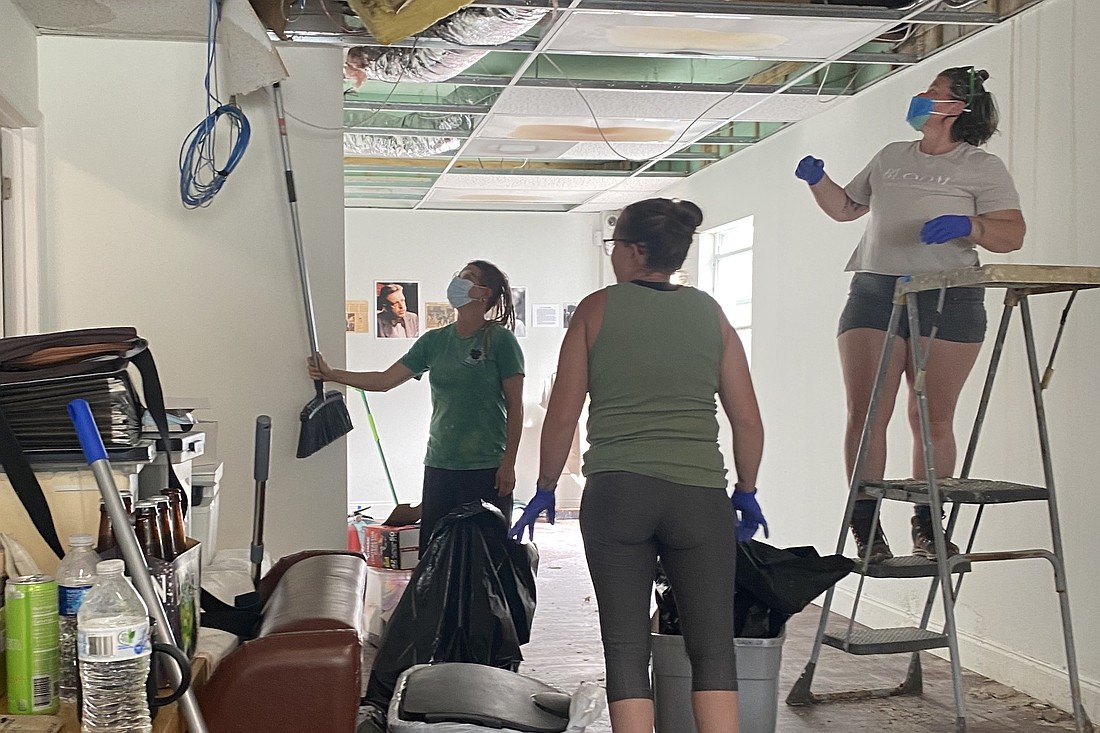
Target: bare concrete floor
{"x":565,"y":649}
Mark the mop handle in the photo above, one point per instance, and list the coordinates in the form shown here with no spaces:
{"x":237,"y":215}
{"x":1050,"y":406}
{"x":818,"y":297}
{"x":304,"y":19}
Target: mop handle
{"x":96,"y":455}
{"x":378,"y":442}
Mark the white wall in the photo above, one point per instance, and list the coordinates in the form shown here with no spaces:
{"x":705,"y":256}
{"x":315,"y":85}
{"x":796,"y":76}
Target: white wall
{"x":552,"y":255}
{"x":214,"y":290}
{"x":1041,"y":66}
{"x":19,"y":82}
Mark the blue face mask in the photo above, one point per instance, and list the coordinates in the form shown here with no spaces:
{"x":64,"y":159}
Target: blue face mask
{"x":458,"y":292}
{"x":920,"y":109}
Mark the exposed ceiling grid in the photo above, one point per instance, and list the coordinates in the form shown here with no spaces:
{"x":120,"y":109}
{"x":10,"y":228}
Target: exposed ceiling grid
{"x":598,"y":104}
{"x":629,"y":96}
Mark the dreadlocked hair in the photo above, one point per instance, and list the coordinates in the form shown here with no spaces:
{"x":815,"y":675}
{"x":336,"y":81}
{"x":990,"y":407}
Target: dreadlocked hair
{"x":499,"y":308}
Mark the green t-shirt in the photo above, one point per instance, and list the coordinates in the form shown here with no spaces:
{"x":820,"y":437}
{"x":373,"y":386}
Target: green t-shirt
{"x":469,"y":420}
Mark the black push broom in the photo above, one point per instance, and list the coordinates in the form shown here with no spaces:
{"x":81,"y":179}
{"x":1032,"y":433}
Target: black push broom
{"x":325,"y":417}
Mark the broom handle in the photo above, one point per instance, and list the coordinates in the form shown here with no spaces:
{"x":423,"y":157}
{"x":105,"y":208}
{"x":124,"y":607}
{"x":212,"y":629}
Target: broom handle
{"x":378,"y":442}
{"x":292,"y":199}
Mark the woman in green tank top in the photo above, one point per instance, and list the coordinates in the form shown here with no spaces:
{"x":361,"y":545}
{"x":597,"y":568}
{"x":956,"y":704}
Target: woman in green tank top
{"x":653,"y":356}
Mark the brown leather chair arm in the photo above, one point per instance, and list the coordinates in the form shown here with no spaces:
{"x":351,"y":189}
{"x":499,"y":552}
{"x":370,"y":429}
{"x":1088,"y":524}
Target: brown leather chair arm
{"x":269,"y":582}
{"x":287,"y":683}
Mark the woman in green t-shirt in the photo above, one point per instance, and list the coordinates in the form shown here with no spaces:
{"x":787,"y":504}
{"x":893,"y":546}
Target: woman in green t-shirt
{"x":475,"y":369}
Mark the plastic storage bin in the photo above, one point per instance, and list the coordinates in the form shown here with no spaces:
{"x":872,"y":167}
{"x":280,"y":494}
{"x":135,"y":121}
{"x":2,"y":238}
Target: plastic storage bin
{"x":384,"y":590}
{"x":757,"y":680}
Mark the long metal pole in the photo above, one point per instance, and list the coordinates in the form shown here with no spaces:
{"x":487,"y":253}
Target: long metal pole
{"x":81,"y":415}
{"x":292,"y":199}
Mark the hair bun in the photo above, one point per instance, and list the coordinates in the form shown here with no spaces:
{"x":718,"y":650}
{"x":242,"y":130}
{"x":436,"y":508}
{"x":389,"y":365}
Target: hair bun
{"x":982,"y":74}
{"x":687,"y":213}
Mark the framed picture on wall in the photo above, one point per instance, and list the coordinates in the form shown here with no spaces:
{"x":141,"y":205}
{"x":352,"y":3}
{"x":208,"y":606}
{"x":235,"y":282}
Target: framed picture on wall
{"x":397,"y":312}
{"x":519,"y":302}
{"x":438,"y":314}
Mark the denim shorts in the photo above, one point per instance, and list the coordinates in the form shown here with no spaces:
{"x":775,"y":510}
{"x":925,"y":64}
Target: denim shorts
{"x":870,"y":300}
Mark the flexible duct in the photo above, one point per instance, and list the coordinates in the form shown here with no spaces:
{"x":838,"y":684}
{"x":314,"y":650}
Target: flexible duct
{"x":486,"y":26}
{"x":407,"y":64}
{"x":410,"y":146}
{"x":398,"y":146}
{"x":468,"y":27}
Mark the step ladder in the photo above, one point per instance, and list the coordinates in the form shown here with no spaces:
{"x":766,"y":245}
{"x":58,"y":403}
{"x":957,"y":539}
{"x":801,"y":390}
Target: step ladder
{"x":1020,"y":282}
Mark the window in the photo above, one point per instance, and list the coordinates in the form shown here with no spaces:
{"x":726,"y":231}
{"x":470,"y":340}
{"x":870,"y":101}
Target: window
{"x":730,"y":250}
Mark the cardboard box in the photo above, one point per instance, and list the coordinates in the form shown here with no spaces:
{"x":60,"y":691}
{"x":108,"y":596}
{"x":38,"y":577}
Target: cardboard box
{"x":392,"y":548}
{"x":394,"y":544}
{"x":178,"y":584}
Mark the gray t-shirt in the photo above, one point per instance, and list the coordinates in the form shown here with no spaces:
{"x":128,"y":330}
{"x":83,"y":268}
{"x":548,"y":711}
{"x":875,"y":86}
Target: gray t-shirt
{"x":906,"y":188}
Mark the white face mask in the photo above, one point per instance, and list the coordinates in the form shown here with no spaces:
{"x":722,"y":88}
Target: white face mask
{"x":458,"y":292}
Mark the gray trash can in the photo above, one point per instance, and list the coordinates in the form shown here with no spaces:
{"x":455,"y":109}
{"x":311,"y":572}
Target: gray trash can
{"x":757,"y":681}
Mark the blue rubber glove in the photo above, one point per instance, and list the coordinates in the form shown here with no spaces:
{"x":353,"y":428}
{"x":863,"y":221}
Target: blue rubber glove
{"x":749,"y":516}
{"x":945,"y":228}
{"x":543,"y":500}
{"x":810,"y":169}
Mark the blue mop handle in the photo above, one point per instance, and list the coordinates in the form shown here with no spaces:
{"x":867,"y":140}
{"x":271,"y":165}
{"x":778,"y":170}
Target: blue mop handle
{"x":80,"y":412}
{"x":90,"y":441}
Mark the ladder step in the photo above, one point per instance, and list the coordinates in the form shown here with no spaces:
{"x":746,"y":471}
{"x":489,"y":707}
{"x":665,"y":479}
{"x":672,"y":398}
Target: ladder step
{"x":887,"y":641}
{"x":906,"y":566}
{"x":956,"y":490}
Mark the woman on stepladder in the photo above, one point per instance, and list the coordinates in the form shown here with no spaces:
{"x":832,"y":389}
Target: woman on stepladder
{"x":653,"y":355}
{"x":475,"y":369}
{"x":931,"y":202}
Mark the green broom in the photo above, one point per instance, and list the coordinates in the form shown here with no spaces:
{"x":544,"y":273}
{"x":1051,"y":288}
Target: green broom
{"x":378,"y":442}
{"x":324,"y":418}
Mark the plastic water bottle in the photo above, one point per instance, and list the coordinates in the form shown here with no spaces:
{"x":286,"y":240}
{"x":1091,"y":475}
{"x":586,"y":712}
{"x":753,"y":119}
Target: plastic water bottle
{"x":75,"y":576}
{"x":114,"y":649}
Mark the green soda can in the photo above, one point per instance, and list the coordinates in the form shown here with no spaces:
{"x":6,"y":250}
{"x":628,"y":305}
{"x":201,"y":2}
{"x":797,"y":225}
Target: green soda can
{"x":33,"y":645}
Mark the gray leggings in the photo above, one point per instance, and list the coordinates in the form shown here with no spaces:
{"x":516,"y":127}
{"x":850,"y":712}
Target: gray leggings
{"x":627,"y":521}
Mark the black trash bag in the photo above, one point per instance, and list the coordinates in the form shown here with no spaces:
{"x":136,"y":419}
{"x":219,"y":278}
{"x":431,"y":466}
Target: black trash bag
{"x":470,"y":599}
{"x":772,"y":586}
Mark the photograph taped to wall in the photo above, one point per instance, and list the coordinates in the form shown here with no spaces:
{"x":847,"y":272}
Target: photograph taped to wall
{"x":397,"y":312}
{"x":359,"y":315}
{"x":438,"y":314}
{"x":519,"y":302}
{"x":547,"y":314}
{"x":567,"y":310}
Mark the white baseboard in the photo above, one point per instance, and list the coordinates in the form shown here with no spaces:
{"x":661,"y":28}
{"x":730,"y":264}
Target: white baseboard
{"x":1040,"y":679}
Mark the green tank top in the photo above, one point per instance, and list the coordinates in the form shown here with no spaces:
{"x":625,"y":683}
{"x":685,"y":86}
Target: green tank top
{"x":653,"y":378}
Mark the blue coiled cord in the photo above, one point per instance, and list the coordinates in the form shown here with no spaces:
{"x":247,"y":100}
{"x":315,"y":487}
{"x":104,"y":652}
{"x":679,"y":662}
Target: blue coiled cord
{"x":200,"y":176}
